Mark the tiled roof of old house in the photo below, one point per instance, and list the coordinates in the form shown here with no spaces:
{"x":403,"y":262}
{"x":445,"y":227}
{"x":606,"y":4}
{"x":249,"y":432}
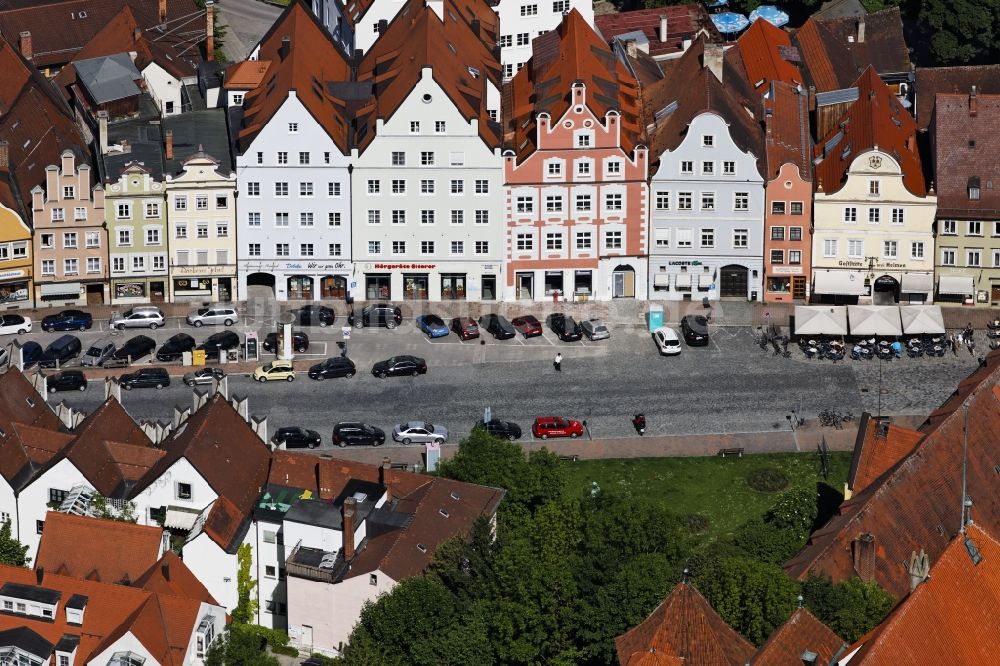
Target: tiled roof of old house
{"x":802,"y":633}
{"x":966,"y":139}
{"x":100,"y":550}
{"x":959,"y":80}
{"x":768,"y":55}
{"x":684,"y":22}
{"x":878,"y":449}
{"x":787,"y":139}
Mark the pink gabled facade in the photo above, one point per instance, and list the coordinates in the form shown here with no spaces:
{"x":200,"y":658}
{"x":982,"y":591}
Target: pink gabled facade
{"x":575,"y":169}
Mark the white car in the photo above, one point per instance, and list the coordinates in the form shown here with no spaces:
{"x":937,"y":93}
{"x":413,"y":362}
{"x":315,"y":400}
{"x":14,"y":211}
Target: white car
{"x":667,"y":341}
{"x":14,"y":323}
{"x":419,"y":432}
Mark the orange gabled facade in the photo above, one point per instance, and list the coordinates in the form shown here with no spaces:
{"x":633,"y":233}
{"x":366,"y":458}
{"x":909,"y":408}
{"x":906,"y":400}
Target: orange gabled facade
{"x":575,"y":168}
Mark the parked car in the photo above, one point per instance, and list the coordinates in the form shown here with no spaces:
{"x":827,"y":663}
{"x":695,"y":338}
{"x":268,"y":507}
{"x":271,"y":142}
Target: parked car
{"x":68,"y":320}
{"x":223,"y":340}
{"x":398,"y":366}
{"x":695,"y":330}
{"x":337,"y":366}
{"x":14,"y":323}
{"x":141,"y":316}
{"x":354,"y":433}
{"x":595,"y":329}
{"x":294,"y":437}
{"x":378,"y":314}
{"x":214,"y":315}
{"x":556,"y":426}
{"x":432,"y":325}
{"x":465,"y":327}
{"x":98,"y":352}
{"x":565,"y":328}
{"x":204,"y":376}
{"x":67,"y":380}
{"x":136,"y":348}
{"x":59,"y":352}
{"x":420,"y":432}
{"x":315,"y":315}
{"x":145,"y":378}
{"x":497,"y":326}
{"x":275,"y":371}
{"x":503,"y":429}
{"x":174,"y":348}
{"x":31,"y":352}
{"x":528,"y":326}
{"x":667,"y":341}
{"x":300,"y":342}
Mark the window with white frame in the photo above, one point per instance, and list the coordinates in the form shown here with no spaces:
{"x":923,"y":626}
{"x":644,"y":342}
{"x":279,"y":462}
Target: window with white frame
{"x":614,"y":167}
{"x":48,"y":266}
{"x":482,"y":186}
{"x":830,"y":247}
{"x":80,"y":212}
{"x":253,"y":190}
{"x":707,"y":140}
{"x":949,"y":227}
{"x":374,"y":186}
{"x":850,"y":214}
{"x":794,"y":233}
{"x":583,"y":168}
{"x":529,"y":10}
{"x":182,"y":257}
{"x":281,"y":189}
{"x":777,"y":208}
{"x":873,"y":188}
{"x":19,"y":249}
{"x":729,"y":168}
{"x":333,"y":219}
{"x":684,"y":200}
{"x":553,"y":204}
{"x":124,"y":210}
{"x":612,"y":201}
{"x":303,"y":158}
{"x":305,"y":189}
{"x":560,"y":6}
{"x":221,"y":202}
{"x":874,"y":215}
{"x":553,"y":168}
{"x":708,"y":168}
{"x":374,"y":217}
{"x":48,"y":241}
{"x":398,"y":158}
{"x":612,"y":240}
{"x":457,"y":216}
{"x":777,"y":233}
{"x":457,"y":247}
{"x":777,"y":256}
{"x":201,"y":202}
{"x":306,"y":249}
{"x":293,"y":128}
{"x":253,"y":249}
{"x":306,"y":219}
{"x":69,"y":192}
{"x":741,"y":238}
{"x":482,"y":216}
{"x":58,"y":214}
{"x":796,"y":207}
{"x":426,"y":247}
{"x":482,"y":247}
{"x":523,"y":38}
{"x":374,"y":247}
{"x":152,"y":209}
{"x":159,"y":262}
{"x":916,"y":250}
{"x":222,"y":228}
{"x":508,"y":68}
{"x":524,"y":242}
{"x":741,"y":201}
{"x":687,"y":167}
{"x":890,"y":249}
{"x":93,"y":239}
{"x":414,"y":127}
{"x":584,"y":139}
{"x":525,"y":204}
{"x":71,"y":267}
{"x":427,"y":216}
{"x":584,"y":203}
{"x":334,"y":249}
{"x":117,"y":264}
{"x":897,"y":215}
{"x":398,"y":186}
{"x":553,"y":241}
{"x":506,"y":41}
{"x":973,"y":258}
{"x":708,"y":201}
{"x":181,"y":231}
{"x":427,"y":158}
{"x":138,"y":263}
{"x":281,"y":219}
{"x":948,"y":257}
{"x":685,"y":238}
{"x":458,"y":187}
{"x":662,"y":200}
{"x":124,"y":237}
{"x":795,"y":257}
{"x":707,"y":238}
{"x":69,"y":240}
{"x":975,"y":228}
{"x":584,"y":240}
{"x":440,"y":127}
{"x":398,"y":216}
{"x":427,"y":186}
{"x":202,"y":230}
{"x":855,"y":248}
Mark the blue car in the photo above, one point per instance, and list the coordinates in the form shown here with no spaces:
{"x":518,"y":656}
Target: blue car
{"x":432,"y":325}
{"x":68,"y":320}
{"x":31,"y":352}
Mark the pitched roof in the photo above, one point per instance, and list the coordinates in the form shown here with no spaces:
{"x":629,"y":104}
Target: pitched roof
{"x":561,"y":58}
{"x":933,"y":80}
{"x":834,"y":56}
{"x":462,"y":65}
{"x":878,"y":448}
{"x":245,"y":75}
{"x":768,"y":55}
{"x":949,"y":618}
{"x":841,"y":8}
{"x":307,"y":64}
{"x":876,"y":118}
{"x":683,"y":23}
{"x":169,"y":575}
{"x":685,"y":625}
{"x":966,"y":152}
{"x":801,"y":633}
{"x":787,"y":139}
{"x":30,"y":432}
{"x":915,"y":506}
{"x":100,"y":550}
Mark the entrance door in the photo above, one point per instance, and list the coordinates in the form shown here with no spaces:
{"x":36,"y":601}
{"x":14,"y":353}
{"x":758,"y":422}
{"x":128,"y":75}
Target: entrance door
{"x":95,"y":294}
{"x":525,"y":285}
{"x":157,"y":292}
{"x":225,"y":289}
{"x":885,"y":291}
{"x":307,"y":637}
{"x":799,"y":288}
{"x":623,"y":282}
{"x":733,"y":281}
{"x":995,"y":295}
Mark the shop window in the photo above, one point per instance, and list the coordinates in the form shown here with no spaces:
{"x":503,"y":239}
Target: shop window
{"x":415,"y":287}
{"x":553,"y":282}
{"x":300,"y":287}
{"x":583,"y":282}
{"x":782,"y":285}
{"x":453,"y":287}
{"x":489,"y":283}
{"x":376,"y":287}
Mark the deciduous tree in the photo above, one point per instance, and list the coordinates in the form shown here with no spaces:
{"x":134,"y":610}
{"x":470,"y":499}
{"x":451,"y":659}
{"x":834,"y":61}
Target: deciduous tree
{"x":12,"y":552}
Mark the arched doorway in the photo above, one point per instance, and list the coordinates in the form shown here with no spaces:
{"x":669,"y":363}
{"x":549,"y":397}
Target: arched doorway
{"x":260,"y":284}
{"x":733,"y":281}
{"x":623,"y":282}
{"x":333,"y":286}
{"x":885,"y":290}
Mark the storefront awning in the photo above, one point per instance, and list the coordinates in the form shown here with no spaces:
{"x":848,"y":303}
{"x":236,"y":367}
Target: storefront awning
{"x":957,"y":285}
{"x":704,"y":281}
{"x":661,"y":280}
{"x":684,"y":280}
{"x":54,"y":292}
{"x":917,"y":283}
{"x":840,"y":283}
{"x":179,"y":518}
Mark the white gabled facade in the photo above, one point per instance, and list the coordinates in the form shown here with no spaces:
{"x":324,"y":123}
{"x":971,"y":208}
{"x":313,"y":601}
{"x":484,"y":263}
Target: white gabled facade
{"x":33,"y":502}
{"x":294,"y":208}
{"x":427,"y":196}
{"x":523,"y":20}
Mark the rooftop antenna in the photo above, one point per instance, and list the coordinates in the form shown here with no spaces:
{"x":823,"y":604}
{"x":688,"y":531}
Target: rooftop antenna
{"x":966,"y":504}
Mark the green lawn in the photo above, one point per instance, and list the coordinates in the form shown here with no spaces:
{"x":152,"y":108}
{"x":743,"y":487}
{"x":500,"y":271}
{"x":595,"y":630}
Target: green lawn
{"x":714,"y":488}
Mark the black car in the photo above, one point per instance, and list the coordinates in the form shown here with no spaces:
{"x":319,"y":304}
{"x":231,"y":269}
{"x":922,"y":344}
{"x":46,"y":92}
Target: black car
{"x":146,"y":378}
{"x":497,"y":326}
{"x":67,"y":380}
{"x":695,"y":330}
{"x":397,"y":366}
{"x":174,"y":348}
{"x":502,"y":429}
{"x":297,"y":438}
{"x":135,"y":348}
{"x":219,"y":341}
{"x":378,"y":314}
{"x":565,"y":327}
{"x":31,"y":352}
{"x":300,"y":342}
{"x":315,"y":315}
{"x":64,"y":349}
{"x":68,"y":320}
{"x":337,"y":366}
{"x":354,"y":433}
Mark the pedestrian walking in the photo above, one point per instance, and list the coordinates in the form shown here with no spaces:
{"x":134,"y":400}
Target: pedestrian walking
{"x":557,"y":362}
{"x":954,"y":345}
{"x":972,"y":346}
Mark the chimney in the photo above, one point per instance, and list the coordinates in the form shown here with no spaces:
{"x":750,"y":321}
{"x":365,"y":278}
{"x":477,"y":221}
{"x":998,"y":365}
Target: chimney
{"x":163,"y":11}
{"x":209,"y":30}
{"x":863,"y":555}
{"x":169,"y":152}
{"x":663,"y":28}
{"x":4,"y":154}
{"x":713,"y":59}
{"x":385,"y":478}
{"x":39,"y":574}
{"x":286,"y":48}
{"x":349,"y":511}
{"x":24,"y":44}
{"x":165,"y":570}
{"x":973,"y":106}
{"x":861,"y":31}
{"x":920,"y":567}
{"x":102,"y":132}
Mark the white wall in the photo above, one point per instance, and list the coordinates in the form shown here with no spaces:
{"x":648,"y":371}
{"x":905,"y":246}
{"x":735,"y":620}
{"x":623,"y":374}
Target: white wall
{"x":163,"y":491}
{"x":214,"y":567}
{"x":163,"y":88}
{"x":33,"y":500}
{"x":547,"y":18}
{"x":127,"y":643}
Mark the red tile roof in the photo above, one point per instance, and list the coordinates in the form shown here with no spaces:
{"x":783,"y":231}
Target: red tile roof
{"x":768,"y":55}
{"x":224,"y":522}
{"x":788,"y":139}
{"x":875,"y":119}
{"x":966,"y":151}
{"x":683,"y":22}
{"x":560,"y":58}
{"x":878,"y":450}
{"x":801,"y":633}
{"x":948,"y":619}
{"x":959,"y":80}
{"x":245,"y":75}
{"x":915,"y":506}
{"x":31,"y":432}
{"x":684,"y":626}
{"x":100,"y":550}
{"x":169,"y":575}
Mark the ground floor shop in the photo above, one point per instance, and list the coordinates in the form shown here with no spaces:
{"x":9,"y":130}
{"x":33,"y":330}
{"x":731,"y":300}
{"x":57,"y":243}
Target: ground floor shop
{"x":980,"y":288}
{"x":203,"y":283}
{"x":55,"y":294}
{"x":879,"y":285}
{"x":784,"y":284}
{"x":678,"y":278}
{"x":126,"y":291}
{"x":603,"y":280}
{"x":444,"y":281}
{"x":16,"y":288}
{"x":298,"y":280}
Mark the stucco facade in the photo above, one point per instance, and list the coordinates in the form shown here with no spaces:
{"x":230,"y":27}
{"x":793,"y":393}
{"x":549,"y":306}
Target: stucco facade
{"x":787,"y":236}
{"x":70,"y":243}
{"x":137,"y":233}
{"x":16,"y":284}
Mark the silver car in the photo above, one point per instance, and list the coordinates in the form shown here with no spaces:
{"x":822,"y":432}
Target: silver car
{"x":595,"y":329}
{"x":143,"y":316}
{"x":204,"y":376}
{"x":214,"y":315}
{"x":419,"y":432}
{"x":98,"y":353}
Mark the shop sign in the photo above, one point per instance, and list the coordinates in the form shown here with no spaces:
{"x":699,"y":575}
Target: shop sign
{"x":130,"y":290}
{"x":6,"y":275}
{"x":316,"y":266}
{"x":15,"y":291}
{"x":684,"y":262}
{"x":863,"y":264}
{"x":204,"y":284}
{"x":404,"y":267}
{"x":787,"y":270}
{"x":224,"y":269}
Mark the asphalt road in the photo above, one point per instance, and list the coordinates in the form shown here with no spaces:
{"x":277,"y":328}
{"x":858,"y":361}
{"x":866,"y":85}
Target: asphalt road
{"x":730,"y":386}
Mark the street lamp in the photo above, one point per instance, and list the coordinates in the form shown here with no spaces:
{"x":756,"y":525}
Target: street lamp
{"x":870,"y":281}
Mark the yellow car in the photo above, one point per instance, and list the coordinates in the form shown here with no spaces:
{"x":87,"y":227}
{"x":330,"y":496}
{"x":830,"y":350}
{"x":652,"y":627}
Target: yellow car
{"x":275,"y":370}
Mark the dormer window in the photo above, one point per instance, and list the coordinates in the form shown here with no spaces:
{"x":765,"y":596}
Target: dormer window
{"x":974,"y":188}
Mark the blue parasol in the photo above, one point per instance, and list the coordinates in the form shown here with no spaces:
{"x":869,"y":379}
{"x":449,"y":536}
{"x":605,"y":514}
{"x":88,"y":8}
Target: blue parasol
{"x":771,"y":14}
{"x":730,"y":22}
